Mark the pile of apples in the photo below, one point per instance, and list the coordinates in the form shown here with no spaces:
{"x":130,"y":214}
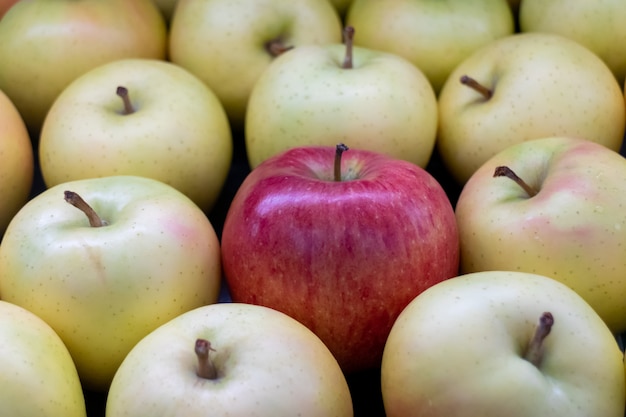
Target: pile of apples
{"x":312,"y":207}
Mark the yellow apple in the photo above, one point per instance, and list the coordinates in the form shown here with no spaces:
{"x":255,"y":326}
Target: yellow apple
{"x":44,"y":45}
{"x":16,"y":162}
{"x":38,"y":375}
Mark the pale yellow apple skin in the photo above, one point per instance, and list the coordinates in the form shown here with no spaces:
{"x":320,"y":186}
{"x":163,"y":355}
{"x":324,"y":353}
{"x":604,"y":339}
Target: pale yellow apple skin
{"x":16,"y":162}
{"x":38,"y":375}
{"x":103,"y":289}
{"x":573,"y":230}
{"x":543,"y":85}
{"x":223,"y":41}
{"x":179,"y":133}
{"x":44,"y":45}
{"x":383,"y":104}
{"x":268,"y":365}
{"x":434,"y":35}
{"x":598,"y":25}
{"x":457,"y":351}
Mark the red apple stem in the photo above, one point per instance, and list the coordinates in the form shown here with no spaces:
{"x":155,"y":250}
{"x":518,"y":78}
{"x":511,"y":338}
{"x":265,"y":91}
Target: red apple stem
{"x":472,"y":83}
{"x":128,"y":106}
{"x":339,"y":150}
{"x":78,"y":202}
{"x":534,"y":351}
{"x":277,"y":46}
{"x":348,"y":38}
{"x":206,"y":367}
{"x":504,"y":171}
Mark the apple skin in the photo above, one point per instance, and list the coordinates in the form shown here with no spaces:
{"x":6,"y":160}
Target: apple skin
{"x":268,"y":365}
{"x":458,"y":350}
{"x":179,"y":133}
{"x":103,"y":289}
{"x":17,"y":166}
{"x":305,"y":97}
{"x":38,"y":376}
{"x":543,"y":85}
{"x":223,"y":41}
{"x":344,"y":258}
{"x":433,"y":35}
{"x":572,"y":230}
{"x":44,"y":45}
{"x":598,"y":25}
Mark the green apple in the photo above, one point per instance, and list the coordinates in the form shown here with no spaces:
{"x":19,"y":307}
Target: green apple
{"x":166,"y":125}
{"x":322,"y":94}
{"x":45,"y":44}
{"x":140,"y":254}
{"x":522,"y":87}
{"x":16,"y":161}
{"x":501,"y":343}
{"x":561,"y":215}
{"x":433,"y":35}
{"x":598,"y":25}
{"x":38,"y":376}
{"x":232,"y":359}
{"x":229,"y":43}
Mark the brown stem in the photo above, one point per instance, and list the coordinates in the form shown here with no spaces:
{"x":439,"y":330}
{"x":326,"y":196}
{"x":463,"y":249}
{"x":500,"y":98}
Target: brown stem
{"x":534,"y":351}
{"x":128,"y":106}
{"x":340,"y":149}
{"x":504,"y":171}
{"x":348,"y":38}
{"x":470,"y":82}
{"x":78,"y":202}
{"x":277,"y":46}
{"x":206,"y":367}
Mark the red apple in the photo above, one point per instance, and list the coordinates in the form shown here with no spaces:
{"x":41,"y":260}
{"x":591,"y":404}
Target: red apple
{"x":342,"y":248}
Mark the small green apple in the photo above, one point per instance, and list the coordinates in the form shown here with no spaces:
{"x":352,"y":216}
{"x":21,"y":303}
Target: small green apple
{"x":318,"y":95}
{"x":167,"y":125}
{"x":566,"y":220}
{"x":16,"y":162}
{"x":235,"y":360}
{"x":521,"y":87}
{"x":500,"y":343}
{"x":38,"y":376}
{"x":229,"y":43}
{"x":44,"y":45}
{"x":140,"y":254}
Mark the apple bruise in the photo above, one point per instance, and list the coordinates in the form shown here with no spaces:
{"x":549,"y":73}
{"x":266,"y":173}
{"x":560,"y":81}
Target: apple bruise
{"x":206,"y":367}
{"x":534,"y":350}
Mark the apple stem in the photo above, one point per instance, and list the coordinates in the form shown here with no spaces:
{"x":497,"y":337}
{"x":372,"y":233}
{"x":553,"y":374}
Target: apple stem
{"x":128,"y":106}
{"x":206,"y":367}
{"x":504,"y":171}
{"x":339,"y":150}
{"x":276,"y":47}
{"x":534,"y":351}
{"x":78,"y":202}
{"x":470,"y":82}
{"x":348,"y":37}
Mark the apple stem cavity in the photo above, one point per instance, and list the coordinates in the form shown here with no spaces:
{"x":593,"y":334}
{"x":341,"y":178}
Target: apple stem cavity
{"x":128,"y":106}
{"x":206,"y":367}
{"x":339,"y":150}
{"x":504,"y":171}
{"x":78,"y":202}
{"x":534,"y":351}
{"x":348,"y":36}
{"x":277,"y":47}
{"x":472,"y":83}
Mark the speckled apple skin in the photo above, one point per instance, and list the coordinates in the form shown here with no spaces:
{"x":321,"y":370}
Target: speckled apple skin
{"x":573,"y":229}
{"x":103,"y":289}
